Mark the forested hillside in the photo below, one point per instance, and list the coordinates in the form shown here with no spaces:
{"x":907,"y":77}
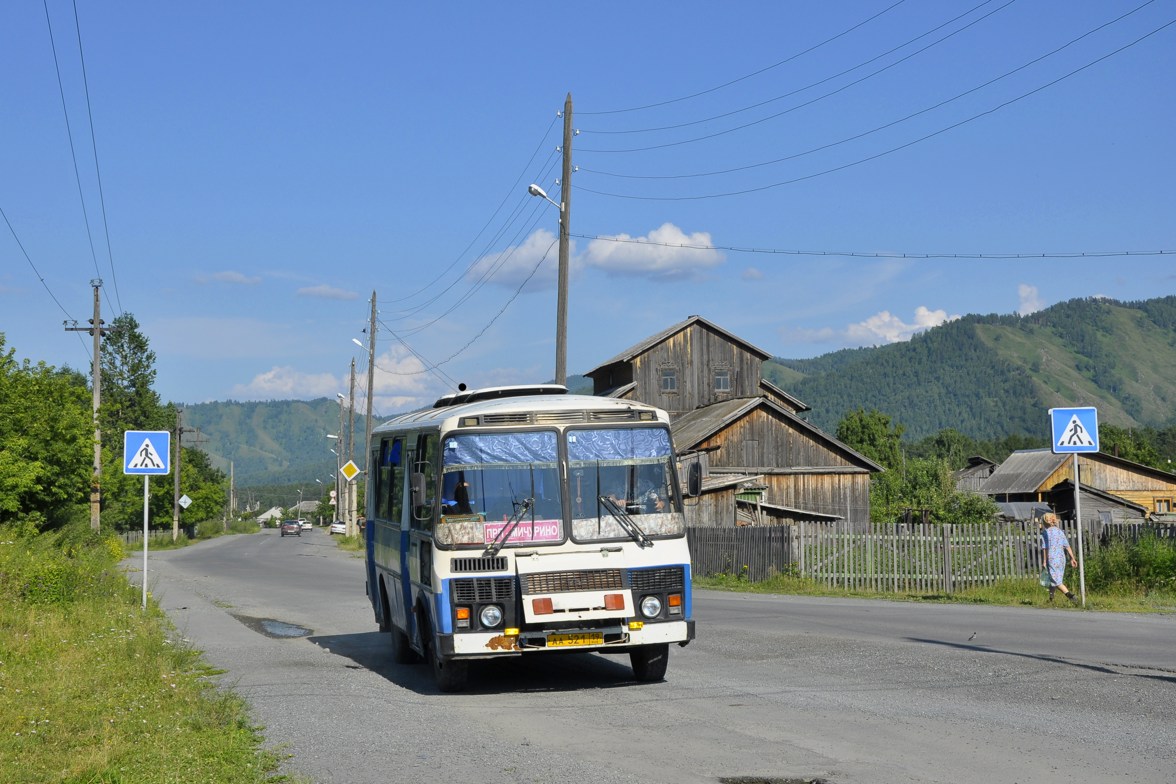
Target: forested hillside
{"x":995,"y":376}
{"x":276,"y":442}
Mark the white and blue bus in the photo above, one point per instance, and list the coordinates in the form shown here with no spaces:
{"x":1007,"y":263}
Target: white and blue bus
{"x":521,"y":521}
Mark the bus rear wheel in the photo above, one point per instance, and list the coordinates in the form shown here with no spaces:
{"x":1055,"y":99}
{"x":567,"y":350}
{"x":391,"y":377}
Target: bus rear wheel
{"x":650,"y":662}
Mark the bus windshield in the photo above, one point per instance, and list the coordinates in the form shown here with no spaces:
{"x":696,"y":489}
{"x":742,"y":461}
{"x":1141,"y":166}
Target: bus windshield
{"x":618,"y":473}
{"x":494,"y":481}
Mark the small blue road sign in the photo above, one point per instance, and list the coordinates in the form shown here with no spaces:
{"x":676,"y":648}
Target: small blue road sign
{"x":147,"y":452}
{"x":1074,"y":430}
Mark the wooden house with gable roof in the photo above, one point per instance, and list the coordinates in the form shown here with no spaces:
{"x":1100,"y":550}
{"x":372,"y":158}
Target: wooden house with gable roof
{"x":1111,"y":489}
{"x":763,"y":463}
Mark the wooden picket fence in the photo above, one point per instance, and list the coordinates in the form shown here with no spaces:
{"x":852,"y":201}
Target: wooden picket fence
{"x":904,"y":558}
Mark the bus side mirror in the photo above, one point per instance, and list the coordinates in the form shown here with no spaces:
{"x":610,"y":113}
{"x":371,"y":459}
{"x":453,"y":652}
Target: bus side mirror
{"x":694,"y":480}
{"x":417,"y":488}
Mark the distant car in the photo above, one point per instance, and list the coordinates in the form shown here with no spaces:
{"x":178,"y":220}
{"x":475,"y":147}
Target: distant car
{"x":306,"y":525}
{"x":339,"y":527}
{"x":292,"y":527}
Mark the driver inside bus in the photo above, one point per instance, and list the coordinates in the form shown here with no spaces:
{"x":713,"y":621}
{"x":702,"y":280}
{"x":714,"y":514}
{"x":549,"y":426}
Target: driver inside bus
{"x":455,"y":495}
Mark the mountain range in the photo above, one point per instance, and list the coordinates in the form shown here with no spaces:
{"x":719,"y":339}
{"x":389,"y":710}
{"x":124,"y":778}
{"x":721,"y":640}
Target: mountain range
{"x":985,"y":376}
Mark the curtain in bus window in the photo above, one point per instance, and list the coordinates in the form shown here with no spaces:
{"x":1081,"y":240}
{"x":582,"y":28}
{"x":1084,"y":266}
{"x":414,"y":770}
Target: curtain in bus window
{"x":498,"y":448}
{"x":618,"y":444}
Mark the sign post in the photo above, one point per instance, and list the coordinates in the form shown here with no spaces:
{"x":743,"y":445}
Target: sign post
{"x":1075,"y":431}
{"x":146,"y":453}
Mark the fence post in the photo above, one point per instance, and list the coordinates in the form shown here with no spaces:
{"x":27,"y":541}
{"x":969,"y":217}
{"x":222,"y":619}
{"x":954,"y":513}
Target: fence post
{"x":947,"y":582}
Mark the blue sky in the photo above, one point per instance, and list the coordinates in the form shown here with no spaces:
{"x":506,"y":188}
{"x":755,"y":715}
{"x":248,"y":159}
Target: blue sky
{"x":262,"y":167}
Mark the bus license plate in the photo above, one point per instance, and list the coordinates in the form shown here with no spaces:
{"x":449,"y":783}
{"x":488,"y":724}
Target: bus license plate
{"x":571,"y":640}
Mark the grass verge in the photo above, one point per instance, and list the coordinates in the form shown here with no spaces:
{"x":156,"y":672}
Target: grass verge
{"x":93,"y":690}
{"x":1008,"y":593}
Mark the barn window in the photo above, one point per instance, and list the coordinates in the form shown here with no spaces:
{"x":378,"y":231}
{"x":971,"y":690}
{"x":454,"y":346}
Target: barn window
{"x":669,"y":380}
{"x":1163,"y":505}
{"x":722,"y":380}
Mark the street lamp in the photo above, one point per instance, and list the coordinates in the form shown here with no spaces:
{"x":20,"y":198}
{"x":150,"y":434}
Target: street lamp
{"x":561,"y":304}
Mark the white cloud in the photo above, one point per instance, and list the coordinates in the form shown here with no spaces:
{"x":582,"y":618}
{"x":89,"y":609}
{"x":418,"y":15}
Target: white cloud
{"x":285,"y":383}
{"x":887,"y":328}
{"x":323,"y":291}
{"x":882,"y":327}
{"x":231,"y":276}
{"x":666,"y":253}
{"x":752,"y":273}
{"x":1029,"y":299}
{"x":535,"y":261}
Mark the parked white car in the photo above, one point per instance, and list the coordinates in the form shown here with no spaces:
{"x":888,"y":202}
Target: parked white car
{"x":306,"y":525}
{"x":339,"y":527}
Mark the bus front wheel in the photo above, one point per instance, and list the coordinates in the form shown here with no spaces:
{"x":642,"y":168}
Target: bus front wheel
{"x":650,"y":662}
{"x":450,"y":675}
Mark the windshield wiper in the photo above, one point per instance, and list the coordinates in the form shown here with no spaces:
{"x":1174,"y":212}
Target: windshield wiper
{"x":626,"y":522}
{"x":503,"y":535}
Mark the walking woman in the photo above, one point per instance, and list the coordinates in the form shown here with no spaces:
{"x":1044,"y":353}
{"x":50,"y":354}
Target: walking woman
{"x":1054,"y":549}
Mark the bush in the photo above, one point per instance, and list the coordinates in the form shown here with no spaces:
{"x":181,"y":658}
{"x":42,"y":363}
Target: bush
{"x":1147,"y":564}
{"x":56,"y":569}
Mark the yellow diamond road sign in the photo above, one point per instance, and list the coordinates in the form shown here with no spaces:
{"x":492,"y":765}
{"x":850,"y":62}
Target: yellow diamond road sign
{"x":350,"y":470}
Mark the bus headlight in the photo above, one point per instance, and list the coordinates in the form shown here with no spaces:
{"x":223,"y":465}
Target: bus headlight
{"x":651,"y":606}
{"x":490,"y":616}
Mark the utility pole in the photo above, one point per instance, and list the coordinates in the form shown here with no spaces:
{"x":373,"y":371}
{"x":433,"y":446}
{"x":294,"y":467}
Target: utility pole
{"x":340,"y":443}
{"x":367,"y":430}
{"x":351,"y":453}
{"x":96,"y":331}
{"x":565,"y":209}
{"x":180,"y":430}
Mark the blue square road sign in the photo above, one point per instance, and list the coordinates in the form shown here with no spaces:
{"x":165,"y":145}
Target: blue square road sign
{"x":1074,"y":430}
{"x":147,"y":452}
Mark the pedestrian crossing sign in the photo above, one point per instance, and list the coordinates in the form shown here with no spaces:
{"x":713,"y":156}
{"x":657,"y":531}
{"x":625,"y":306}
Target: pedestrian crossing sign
{"x":147,"y":452}
{"x":1074,"y":430}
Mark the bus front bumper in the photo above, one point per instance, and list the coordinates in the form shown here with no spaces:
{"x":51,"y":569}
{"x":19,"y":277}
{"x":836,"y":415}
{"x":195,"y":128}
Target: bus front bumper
{"x":470,"y":645}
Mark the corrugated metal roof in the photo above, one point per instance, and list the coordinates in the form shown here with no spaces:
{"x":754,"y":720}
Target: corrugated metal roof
{"x":1023,"y":472}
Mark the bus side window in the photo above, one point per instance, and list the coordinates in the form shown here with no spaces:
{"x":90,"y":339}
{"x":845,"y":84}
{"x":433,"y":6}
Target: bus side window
{"x":424,"y":482}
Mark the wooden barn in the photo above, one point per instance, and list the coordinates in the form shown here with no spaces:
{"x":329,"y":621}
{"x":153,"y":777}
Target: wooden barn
{"x":1111,"y":489}
{"x":762,"y":463}
{"x":969,"y":478}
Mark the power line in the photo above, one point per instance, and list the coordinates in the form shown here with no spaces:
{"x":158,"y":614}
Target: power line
{"x":884,"y":153}
{"x":69,"y":133}
{"x":786,"y":60}
{"x":94,"y":148}
{"x":514,"y":189}
{"x":480,"y":333}
{"x":37,"y":272}
{"x":886,"y":255}
{"x":863,"y":134}
{"x":807,"y":86}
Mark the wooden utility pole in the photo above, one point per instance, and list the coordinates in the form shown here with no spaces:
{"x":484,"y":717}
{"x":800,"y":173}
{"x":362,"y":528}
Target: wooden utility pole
{"x":180,"y":430}
{"x":96,"y":331}
{"x":350,"y":484}
{"x":565,"y":208}
{"x":367,"y":429}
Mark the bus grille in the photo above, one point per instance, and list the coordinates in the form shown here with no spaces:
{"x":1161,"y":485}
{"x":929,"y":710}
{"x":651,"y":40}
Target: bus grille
{"x":658,"y":579}
{"x":562,"y":582}
{"x":483,"y":589}
{"x":466,"y":565}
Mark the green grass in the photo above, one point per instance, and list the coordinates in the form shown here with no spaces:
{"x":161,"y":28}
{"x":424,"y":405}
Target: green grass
{"x":93,"y":690}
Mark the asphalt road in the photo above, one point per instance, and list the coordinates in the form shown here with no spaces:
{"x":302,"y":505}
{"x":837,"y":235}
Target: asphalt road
{"x":775,"y":689}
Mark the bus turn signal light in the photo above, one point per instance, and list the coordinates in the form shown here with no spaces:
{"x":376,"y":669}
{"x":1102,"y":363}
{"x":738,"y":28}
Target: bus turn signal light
{"x":614,"y":601}
{"x":542,"y":606}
